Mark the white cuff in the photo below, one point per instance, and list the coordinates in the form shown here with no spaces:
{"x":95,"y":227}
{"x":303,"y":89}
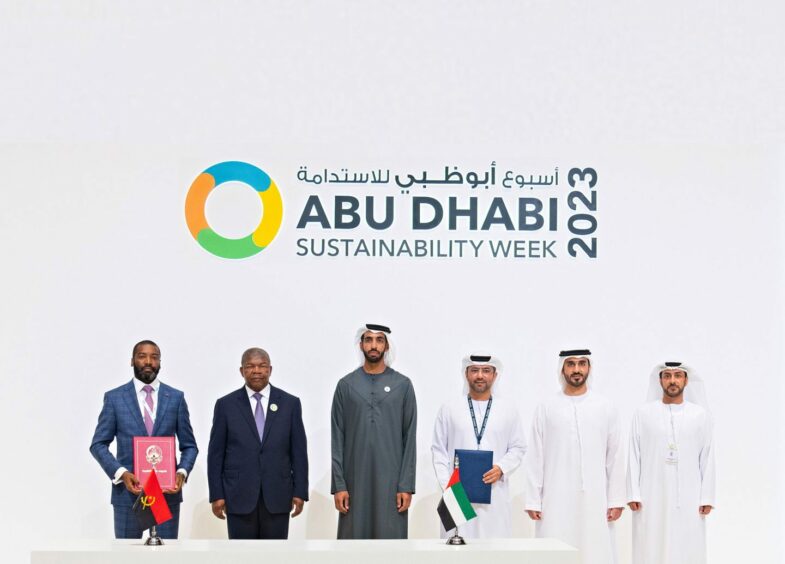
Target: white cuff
{"x":118,"y":476}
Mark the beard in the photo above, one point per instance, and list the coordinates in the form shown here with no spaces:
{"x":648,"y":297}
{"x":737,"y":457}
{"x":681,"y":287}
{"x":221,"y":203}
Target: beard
{"x":145,"y":374}
{"x":373,"y":355}
{"x":576,"y":383}
{"x":478,"y":387}
{"x":673,"y":391}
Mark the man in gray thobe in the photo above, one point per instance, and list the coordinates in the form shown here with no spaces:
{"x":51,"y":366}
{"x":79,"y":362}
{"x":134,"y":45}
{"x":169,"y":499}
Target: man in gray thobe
{"x":374,"y":429}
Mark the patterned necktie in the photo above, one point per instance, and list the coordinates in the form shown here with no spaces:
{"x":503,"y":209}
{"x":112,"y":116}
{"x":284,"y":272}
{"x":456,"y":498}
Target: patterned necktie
{"x":148,"y":420}
{"x":258,"y":414}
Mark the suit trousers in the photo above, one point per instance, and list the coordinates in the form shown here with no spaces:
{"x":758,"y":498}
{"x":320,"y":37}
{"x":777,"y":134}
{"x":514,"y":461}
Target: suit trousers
{"x":126,"y":525}
{"x":258,"y":524}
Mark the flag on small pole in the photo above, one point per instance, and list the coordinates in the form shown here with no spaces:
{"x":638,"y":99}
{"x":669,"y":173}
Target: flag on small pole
{"x":150,"y":507}
{"x":454,"y":508}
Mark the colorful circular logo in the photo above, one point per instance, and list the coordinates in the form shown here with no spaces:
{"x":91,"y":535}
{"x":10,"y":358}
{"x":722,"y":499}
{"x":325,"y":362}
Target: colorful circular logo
{"x":257,"y":179}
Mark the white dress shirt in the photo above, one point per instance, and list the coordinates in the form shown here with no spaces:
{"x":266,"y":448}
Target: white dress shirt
{"x":141,"y":395}
{"x":265,"y":399}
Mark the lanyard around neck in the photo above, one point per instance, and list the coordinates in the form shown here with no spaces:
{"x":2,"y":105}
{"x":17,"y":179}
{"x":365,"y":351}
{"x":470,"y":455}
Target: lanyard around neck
{"x":478,"y":434}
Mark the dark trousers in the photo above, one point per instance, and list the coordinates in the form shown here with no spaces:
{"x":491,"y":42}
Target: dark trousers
{"x":126,"y":525}
{"x":258,"y":524}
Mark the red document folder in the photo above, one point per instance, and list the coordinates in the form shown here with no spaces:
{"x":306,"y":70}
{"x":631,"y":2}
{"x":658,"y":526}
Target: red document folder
{"x":158,"y":453}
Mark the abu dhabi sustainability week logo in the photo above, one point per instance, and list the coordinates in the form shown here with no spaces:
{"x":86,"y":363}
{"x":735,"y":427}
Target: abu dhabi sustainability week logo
{"x":522,"y":212}
{"x":213,"y":177}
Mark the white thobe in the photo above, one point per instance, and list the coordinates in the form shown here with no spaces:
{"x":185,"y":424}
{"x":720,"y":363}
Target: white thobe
{"x":503,"y":435}
{"x":575,"y":473}
{"x":670,"y":483}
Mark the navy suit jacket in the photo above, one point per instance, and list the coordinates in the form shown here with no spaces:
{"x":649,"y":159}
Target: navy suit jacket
{"x":240,"y":464}
{"x":121,"y":419}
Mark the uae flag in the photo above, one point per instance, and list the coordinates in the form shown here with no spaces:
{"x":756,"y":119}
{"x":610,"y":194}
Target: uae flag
{"x":454,"y":508}
{"x":150,"y":507}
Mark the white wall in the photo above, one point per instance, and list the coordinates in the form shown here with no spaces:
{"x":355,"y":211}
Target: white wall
{"x":111,"y":111}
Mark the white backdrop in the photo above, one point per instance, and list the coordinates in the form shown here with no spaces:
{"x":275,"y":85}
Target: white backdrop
{"x":110,"y":112}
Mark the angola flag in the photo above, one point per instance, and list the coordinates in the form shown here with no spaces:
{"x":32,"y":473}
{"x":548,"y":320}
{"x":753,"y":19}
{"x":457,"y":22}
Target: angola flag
{"x":454,"y":508}
{"x":150,"y":507}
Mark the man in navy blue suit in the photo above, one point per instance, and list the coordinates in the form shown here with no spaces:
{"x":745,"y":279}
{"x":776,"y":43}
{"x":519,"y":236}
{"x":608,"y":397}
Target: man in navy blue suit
{"x":257,"y":460}
{"x":144,"y":406}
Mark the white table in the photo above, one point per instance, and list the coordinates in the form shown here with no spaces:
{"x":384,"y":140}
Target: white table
{"x":501,"y":551}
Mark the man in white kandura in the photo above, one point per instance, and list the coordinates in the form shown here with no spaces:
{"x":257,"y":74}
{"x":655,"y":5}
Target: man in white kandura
{"x":670,"y":483}
{"x":575,"y":466}
{"x":481,"y":420}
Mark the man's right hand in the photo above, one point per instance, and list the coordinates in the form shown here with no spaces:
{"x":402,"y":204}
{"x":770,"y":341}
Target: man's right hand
{"x":534,"y":515}
{"x":131,"y":483}
{"x":635,"y":505}
{"x":219,"y":508}
{"x":342,"y":501}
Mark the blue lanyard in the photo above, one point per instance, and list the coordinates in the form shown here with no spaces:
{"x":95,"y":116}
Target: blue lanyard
{"x":481,"y":432}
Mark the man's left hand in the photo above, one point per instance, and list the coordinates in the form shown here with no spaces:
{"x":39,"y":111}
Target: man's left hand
{"x":614,"y":513}
{"x":297,"y":506}
{"x":705,"y":509}
{"x":493,"y":475}
{"x":403,"y":500}
{"x":178,"y":485}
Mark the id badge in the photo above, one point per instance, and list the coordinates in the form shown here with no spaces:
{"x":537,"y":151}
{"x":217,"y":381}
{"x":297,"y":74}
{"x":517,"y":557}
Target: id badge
{"x":672,"y":454}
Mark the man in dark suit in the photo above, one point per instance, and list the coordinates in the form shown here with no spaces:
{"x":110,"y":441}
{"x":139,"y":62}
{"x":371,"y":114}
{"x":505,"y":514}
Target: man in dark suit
{"x":257,"y":460}
{"x":144,"y":406}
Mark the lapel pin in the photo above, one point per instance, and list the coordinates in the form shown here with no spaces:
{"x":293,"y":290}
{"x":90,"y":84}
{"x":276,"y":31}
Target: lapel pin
{"x":273,"y":407}
{"x":387,"y":388}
